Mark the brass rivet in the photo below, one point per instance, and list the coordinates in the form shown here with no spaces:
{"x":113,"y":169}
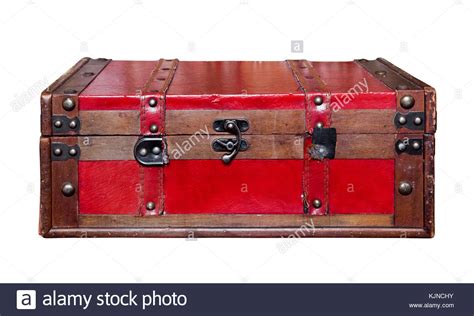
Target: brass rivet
{"x":68,"y":189}
{"x":58,"y":124}
{"x":69,"y":104}
{"x":156,"y":150}
{"x":402,"y":120}
{"x":150,"y":206}
{"x":317,"y":203}
{"x":72,"y":124}
{"x":58,"y":152}
{"x":417,"y":120}
{"x":405,"y":188}
{"x":72,"y":152}
{"x":152,"y":102}
{"x":154,"y":128}
{"x":407,"y":101}
{"x":318,"y":100}
{"x":401,"y":146}
{"x":319,"y":125}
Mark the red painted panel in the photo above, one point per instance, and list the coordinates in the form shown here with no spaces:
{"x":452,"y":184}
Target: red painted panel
{"x":352,"y":87}
{"x":116,"y":86}
{"x":243,"y":187}
{"x":361,"y":186}
{"x":233,"y":78}
{"x":235,"y":102}
{"x":342,"y":76}
{"x":109,"y":187}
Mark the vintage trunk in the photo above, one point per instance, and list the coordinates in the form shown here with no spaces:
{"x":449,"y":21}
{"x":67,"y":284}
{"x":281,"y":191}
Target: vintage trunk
{"x":174,"y":148}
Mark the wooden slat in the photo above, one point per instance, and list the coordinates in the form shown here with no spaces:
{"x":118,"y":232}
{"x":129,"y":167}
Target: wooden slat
{"x":409,"y":208}
{"x":266,"y":122}
{"x":45,"y":221}
{"x":363,"y":121}
{"x":107,"y":148}
{"x":235,"y":220}
{"x":261,"y":147}
{"x":110,"y":122}
{"x":64,"y":209}
{"x":365,"y":146}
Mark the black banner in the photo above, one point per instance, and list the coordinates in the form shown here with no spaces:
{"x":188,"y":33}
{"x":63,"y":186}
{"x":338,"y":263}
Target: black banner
{"x":237,"y":299}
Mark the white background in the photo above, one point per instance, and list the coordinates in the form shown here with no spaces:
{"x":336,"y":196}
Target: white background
{"x":41,"y":39}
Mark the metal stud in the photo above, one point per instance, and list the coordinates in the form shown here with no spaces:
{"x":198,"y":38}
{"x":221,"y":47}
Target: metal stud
{"x":58,"y":152}
{"x":405,"y":188}
{"x":68,"y":189}
{"x":417,"y":120}
{"x":152,"y":102}
{"x":381,"y":73}
{"x":319,"y":125}
{"x":150,"y":206}
{"x":401,"y":146}
{"x":416,"y":145}
{"x":317,"y":203}
{"x":402,"y":120}
{"x":154,"y":128}
{"x":318,"y":100}
{"x":72,"y":124}
{"x":156,"y":150}
{"x":72,"y":152}
{"x":69,"y":104}
{"x":58,"y":124}
{"x":407,"y":101}
{"x":143,"y":152}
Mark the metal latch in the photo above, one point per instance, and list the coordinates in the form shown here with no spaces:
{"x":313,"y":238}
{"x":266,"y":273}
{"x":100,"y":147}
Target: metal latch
{"x":235,"y":127}
{"x":324,"y":143}
{"x":151,"y":151}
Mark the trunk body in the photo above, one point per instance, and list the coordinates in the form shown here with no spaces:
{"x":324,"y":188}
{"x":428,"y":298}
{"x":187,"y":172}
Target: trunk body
{"x":252,"y":149}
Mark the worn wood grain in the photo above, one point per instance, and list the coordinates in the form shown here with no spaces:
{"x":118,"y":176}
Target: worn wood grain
{"x":182,"y":122}
{"x":107,"y":148}
{"x":260,"y":147}
{"x":363,"y":121}
{"x":236,"y":220}
{"x":110,"y":122}
{"x":365,"y":146}
{"x":45,"y":221}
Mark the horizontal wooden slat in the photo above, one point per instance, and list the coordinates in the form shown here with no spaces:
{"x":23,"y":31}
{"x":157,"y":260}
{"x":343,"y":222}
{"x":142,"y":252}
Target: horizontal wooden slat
{"x":107,"y":148}
{"x":261,"y":147}
{"x":363,"y":121}
{"x":183,"y":122}
{"x":365,"y":146}
{"x":110,"y":122}
{"x":357,"y":146}
{"x":235,"y":220}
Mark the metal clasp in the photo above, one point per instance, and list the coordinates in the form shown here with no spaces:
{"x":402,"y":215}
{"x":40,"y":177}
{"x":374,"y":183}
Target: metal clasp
{"x":235,"y":127}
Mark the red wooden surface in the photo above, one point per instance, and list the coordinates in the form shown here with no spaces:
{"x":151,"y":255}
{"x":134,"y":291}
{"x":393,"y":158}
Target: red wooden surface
{"x":361,"y":186}
{"x":109,"y":187}
{"x":233,"y":85}
{"x":209,"y":186}
{"x":243,"y":187}
{"x":117,"y":86}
